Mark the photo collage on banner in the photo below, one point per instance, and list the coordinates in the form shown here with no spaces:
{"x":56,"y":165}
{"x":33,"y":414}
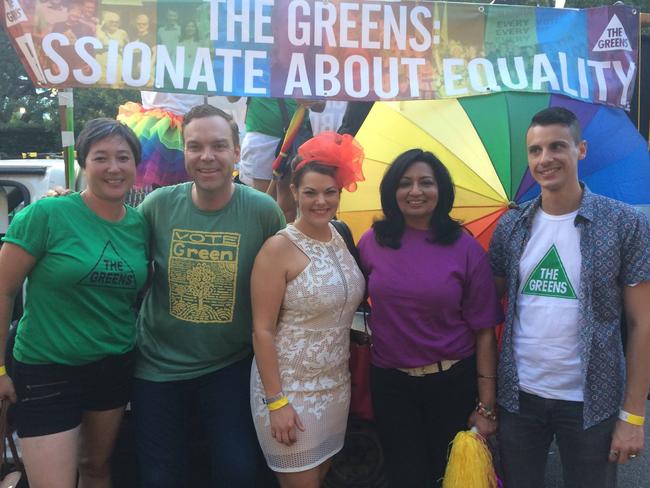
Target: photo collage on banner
{"x":334,"y":50}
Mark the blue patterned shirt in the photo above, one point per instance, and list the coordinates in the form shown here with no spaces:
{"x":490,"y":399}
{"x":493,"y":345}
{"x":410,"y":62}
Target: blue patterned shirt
{"x":615,"y":249}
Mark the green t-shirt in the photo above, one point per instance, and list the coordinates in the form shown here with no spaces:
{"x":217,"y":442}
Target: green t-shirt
{"x":263,"y":115}
{"x":81,"y":293}
{"x":196,"y":317}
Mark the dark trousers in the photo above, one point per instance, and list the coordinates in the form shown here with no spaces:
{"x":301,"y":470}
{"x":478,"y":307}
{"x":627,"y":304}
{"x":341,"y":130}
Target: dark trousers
{"x":162,"y":413}
{"x":525,"y":437}
{"x":417,"y":418}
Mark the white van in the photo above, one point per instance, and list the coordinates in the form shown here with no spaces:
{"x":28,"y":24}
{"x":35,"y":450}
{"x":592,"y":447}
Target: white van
{"x":23,"y":181}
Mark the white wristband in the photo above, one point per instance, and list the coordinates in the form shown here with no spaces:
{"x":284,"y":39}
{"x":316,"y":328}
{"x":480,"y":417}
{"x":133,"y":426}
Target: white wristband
{"x":631,"y":418}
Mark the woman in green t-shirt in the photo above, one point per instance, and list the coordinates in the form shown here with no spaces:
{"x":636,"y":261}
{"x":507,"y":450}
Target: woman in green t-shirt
{"x":69,"y":371}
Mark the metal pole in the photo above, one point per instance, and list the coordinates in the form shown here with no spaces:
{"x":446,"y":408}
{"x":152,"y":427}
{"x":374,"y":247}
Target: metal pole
{"x":66,"y":117}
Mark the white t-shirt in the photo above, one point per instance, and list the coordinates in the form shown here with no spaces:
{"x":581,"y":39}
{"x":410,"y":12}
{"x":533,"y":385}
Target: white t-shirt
{"x":546,"y":340}
{"x":178,"y":103}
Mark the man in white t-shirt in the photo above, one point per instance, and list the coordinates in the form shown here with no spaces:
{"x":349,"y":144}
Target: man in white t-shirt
{"x":571,"y":262}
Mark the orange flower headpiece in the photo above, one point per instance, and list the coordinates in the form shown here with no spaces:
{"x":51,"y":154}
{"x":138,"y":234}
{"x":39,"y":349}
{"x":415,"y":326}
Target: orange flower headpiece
{"x":338,"y":150}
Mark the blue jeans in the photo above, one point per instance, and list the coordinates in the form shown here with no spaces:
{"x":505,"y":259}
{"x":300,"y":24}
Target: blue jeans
{"x":162,"y":413}
{"x":525,"y":437}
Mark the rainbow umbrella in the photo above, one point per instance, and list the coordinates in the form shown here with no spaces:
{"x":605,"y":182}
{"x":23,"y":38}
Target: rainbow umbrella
{"x":481,"y":140}
{"x":280,"y":162}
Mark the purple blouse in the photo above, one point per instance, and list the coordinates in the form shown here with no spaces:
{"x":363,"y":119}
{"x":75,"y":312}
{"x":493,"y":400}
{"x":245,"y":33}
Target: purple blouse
{"x":427,"y":299}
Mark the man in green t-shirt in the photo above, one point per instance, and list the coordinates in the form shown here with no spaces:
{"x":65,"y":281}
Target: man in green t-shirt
{"x":194,"y":329}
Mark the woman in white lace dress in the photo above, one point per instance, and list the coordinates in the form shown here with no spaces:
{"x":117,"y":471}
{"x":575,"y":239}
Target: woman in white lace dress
{"x":306,"y":287}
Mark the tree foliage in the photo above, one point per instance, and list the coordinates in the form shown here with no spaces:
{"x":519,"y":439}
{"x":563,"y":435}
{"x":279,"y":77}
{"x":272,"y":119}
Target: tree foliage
{"x":90,"y":103}
{"x":16,"y":91}
{"x":40,"y":107}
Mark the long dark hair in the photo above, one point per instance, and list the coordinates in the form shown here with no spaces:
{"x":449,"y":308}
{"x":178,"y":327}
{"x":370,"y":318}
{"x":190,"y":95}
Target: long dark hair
{"x":390,"y":229}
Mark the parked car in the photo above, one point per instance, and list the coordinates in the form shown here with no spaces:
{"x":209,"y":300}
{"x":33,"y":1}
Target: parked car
{"x":23,"y":181}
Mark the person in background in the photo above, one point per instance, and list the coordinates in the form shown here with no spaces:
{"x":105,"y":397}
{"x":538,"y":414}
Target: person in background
{"x":73,"y":28}
{"x":266,"y":121}
{"x":306,"y":287}
{"x":70,"y":370}
{"x":89,"y":14}
{"x":146,"y":36}
{"x":170,"y":32}
{"x":47,"y":13}
{"x":354,"y":116}
{"x":571,"y":262}
{"x":434,"y":309}
{"x":109,"y":31}
{"x":194,"y":328}
{"x":190,"y":41}
{"x":142,"y":32}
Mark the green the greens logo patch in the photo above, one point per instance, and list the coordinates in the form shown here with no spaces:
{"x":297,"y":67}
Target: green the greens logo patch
{"x":549,"y":278}
{"x":110,"y":271}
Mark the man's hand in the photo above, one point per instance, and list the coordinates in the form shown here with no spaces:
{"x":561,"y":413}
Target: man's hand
{"x":627,"y":442}
{"x":57,"y":191}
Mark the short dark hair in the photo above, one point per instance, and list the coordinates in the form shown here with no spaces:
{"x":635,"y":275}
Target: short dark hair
{"x":296,"y":176}
{"x":390,"y":229}
{"x":205,"y":110}
{"x":561,"y":116}
{"x":99,"y":129}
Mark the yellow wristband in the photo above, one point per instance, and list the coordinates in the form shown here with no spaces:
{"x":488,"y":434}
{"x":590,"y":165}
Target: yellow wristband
{"x":630,"y":418}
{"x":3,"y":370}
{"x":278,"y":404}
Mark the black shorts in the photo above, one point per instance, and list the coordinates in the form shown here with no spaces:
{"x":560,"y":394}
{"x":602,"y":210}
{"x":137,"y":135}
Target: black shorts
{"x":53,"y":397}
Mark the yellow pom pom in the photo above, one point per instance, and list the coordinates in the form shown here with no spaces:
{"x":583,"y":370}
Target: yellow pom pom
{"x":470,"y":463}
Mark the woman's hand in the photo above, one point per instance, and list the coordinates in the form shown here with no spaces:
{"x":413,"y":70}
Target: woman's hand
{"x":284,"y":422}
{"x":7,"y":391}
{"x":485,"y":426}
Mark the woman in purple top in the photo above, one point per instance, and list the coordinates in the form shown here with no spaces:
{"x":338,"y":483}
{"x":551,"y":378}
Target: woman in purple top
{"x":434,"y":309}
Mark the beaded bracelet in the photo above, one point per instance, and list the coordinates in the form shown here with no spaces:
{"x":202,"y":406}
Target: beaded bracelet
{"x":273,"y":398}
{"x":486,"y":412}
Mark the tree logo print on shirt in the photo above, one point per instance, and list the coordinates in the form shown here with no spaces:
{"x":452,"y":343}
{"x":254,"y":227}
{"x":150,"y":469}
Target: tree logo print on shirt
{"x":549,"y":278}
{"x":202,"y":272}
{"x":110,"y":271}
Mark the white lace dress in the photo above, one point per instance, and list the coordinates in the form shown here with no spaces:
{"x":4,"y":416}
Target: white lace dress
{"x":312,"y":341}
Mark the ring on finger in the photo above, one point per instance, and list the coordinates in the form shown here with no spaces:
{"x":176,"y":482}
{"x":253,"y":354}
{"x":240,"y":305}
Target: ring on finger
{"x":613,"y":453}
{"x":631,"y":456}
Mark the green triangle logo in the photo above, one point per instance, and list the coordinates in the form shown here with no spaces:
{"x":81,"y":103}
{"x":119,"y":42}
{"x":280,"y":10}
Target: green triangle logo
{"x":549,"y":278}
{"x":110,"y":271}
